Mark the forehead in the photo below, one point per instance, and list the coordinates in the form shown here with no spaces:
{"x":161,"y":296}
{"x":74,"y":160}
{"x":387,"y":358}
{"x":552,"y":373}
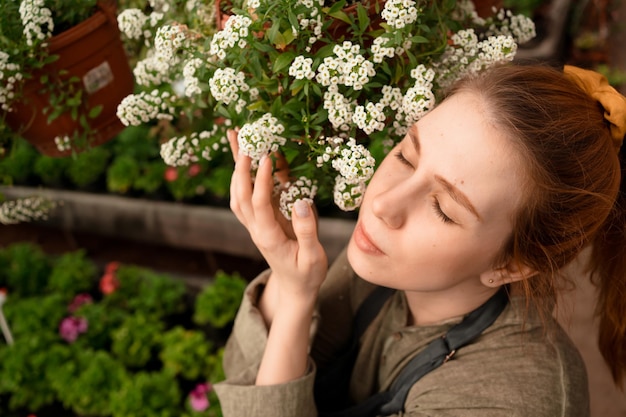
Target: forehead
{"x":472,"y":154}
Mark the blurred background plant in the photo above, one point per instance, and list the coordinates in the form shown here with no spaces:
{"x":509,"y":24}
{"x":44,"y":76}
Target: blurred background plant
{"x":125,"y":344}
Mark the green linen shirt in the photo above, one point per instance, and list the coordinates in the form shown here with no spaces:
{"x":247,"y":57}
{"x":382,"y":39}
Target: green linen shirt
{"x":519,"y":367}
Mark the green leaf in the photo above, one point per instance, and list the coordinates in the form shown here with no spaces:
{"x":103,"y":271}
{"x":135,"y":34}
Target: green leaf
{"x":95,"y":111}
{"x":363,"y":16}
{"x":283,"y":60}
{"x":340,"y":15}
{"x":336,"y":7}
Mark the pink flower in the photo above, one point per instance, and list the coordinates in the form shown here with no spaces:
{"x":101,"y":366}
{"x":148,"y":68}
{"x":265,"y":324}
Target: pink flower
{"x":198,"y":397}
{"x":194,"y":170}
{"x":171,"y":174}
{"x":109,"y":283}
{"x":72,"y":327}
{"x":78,"y":301}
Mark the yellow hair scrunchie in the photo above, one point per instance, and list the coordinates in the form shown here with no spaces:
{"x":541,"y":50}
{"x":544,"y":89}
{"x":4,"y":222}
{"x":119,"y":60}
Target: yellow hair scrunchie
{"x":614,"y":104}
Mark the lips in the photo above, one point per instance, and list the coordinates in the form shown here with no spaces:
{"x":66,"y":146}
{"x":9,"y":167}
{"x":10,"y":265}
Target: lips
{"x":364,"y":242}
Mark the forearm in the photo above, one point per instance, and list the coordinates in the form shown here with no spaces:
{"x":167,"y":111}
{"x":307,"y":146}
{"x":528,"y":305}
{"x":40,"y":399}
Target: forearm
{"x":286,"y":353}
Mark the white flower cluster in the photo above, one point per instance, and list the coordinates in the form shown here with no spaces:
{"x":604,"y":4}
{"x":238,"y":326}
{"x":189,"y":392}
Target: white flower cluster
{"x":131,"y":22}
{"x":63,"y":143}
{"x":190,"y":81}
{"x":355,"y":166}
{"x":300,"y":189}
{"x":419,"y":99}
{"x":36,"y":20}
{"x":9,"y":77}
{"x":261,"y":137}
{"x":234,"y":33}
{"x":168,"y":40}
{"x":399,"y":13}
{"x":370,"y":118}
{"x":301,"y":68}
{"x":340,"y":109}
{"x":520,"y":27}
{"x":379,"y":51}
{"x":152,"y":70}
{"x":311,"y":21}
{"x":181,"y":151}
{"x":226,"y":86}
{"x":25,"y":209}
{"x":348,"y":67}
{"x":469,"y":55}
{"x":136,"y":109}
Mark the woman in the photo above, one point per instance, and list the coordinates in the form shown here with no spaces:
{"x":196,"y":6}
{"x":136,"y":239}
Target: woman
{"x":486,"y":199}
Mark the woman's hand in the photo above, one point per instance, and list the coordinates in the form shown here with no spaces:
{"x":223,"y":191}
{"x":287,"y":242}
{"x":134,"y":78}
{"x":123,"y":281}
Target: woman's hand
{"x":298,"y":265}
{"x":298,"y":261}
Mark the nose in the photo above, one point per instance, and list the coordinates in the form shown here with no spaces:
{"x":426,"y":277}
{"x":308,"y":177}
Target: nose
{"x":391,"y":205}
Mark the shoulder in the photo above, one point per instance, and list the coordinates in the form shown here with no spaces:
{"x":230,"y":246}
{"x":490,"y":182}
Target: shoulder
{"x":521,"y":368}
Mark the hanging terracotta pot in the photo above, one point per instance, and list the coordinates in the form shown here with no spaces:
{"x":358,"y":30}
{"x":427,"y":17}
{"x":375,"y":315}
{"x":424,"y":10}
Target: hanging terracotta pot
{"x":484,"y":8}
{"x":93,"y":52}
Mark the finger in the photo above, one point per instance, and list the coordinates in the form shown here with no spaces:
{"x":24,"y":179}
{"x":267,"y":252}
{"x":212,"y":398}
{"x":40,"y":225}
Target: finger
{"x":262,"y":196}
{"x":231,"y":135}
{"x":305,"y":228}
{"x":241,"y":190}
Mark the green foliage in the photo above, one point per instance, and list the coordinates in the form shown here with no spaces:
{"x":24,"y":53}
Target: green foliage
{"x":26,"y":269}
{"x":18,"y":167}
{"x":137,"y":398}
{"x":135,"y":358}
{"x":40,"y":313}
{"x":136,"y":339}
{"x":51,"y":170}
{"x":151,"y":177}
{"x":24,"y":368}
{"x":217,"y":304}
{"x":85,"y":384}
{"x":103,"y":320}
{"x":146,"y":292}
{"x":72,"y":273}
{"x":525,"y":7}
{"x":185,"y":352}
{"x":88,"y":167}
{"x":122,"y":174}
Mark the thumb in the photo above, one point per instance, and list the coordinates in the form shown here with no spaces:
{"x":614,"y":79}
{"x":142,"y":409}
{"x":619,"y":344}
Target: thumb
{"x":305,"y":226}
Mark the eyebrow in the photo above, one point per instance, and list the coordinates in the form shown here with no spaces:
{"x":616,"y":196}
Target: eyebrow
{"x":453,"y":191}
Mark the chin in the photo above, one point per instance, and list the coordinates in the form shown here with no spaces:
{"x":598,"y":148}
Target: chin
{"x":364,"y":266}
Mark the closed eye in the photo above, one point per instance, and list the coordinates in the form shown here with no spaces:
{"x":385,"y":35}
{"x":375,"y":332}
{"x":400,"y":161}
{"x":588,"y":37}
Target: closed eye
{"x":439,"y":212}
{"x":402,"y":159}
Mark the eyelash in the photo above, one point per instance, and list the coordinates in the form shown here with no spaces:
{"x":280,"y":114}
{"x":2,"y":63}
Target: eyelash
{"x":402,"y":159}
{"x":436,"y":206}
{"x":444,"y":218}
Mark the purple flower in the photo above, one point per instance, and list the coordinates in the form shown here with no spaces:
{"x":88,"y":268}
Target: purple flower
{"x":78,"y":301}
{"x":198,"y":398}
{"x":71,"y":327}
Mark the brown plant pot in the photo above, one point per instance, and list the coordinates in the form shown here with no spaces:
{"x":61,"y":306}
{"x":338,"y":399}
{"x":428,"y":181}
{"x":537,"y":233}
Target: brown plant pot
{"x":93,"y":52}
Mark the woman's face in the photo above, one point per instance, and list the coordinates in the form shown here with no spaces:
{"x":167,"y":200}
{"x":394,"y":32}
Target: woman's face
{"x":441,"y":204}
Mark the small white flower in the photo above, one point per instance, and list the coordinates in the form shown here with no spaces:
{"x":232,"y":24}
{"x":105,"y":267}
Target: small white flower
{"x":399,"y":13}
{"x":131,"y":22}
{"x":144,"y":107}
{"x":261,"y":137}
{"x":25,"y":209}
{"x":301,"y":189}
{"x":301,"y":68}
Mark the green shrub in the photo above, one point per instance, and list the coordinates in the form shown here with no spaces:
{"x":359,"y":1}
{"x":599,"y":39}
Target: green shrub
{"x":51,"y":170}
{"x":217,"y":304}
{"x":136,"y":339}
{"x":88,"y":167}
{"x":72,"y":273}
{"x":26,"y":269}
{"x":185,"y":352}
{"x":137,"y":396}
{"x":122,"y":174}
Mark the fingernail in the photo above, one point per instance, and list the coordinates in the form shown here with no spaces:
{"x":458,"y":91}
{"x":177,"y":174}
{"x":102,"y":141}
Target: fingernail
{"x":302,"y":208}
{"x":262,"y":161}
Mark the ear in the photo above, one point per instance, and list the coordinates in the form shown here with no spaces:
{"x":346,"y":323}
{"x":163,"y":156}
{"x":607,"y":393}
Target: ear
{"x":497,"y":277}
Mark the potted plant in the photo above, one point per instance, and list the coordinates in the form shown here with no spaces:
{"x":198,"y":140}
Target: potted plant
{"x":63,"y":70}
{"x":332,"y":102}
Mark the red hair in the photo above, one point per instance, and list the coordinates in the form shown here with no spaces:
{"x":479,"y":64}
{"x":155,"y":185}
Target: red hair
{"x":573,"y":196}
